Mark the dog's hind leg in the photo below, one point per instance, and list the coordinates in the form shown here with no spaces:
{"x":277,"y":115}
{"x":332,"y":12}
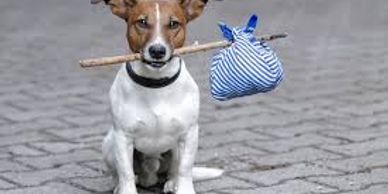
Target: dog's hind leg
{"x":118,"y":155}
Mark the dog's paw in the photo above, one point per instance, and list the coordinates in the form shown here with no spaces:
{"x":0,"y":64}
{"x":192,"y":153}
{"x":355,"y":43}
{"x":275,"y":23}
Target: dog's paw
{"x":185,"y":191}
{"x":170,"y":187}
{"x":185,"y":186}
{"x":125,"y":190}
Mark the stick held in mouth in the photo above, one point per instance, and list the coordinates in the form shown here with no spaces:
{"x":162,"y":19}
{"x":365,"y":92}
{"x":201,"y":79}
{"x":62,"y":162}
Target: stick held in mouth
{"x":105,"y":61}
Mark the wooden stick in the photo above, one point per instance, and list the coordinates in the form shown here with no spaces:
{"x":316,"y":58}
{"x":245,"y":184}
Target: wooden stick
{"x":105,"y":61}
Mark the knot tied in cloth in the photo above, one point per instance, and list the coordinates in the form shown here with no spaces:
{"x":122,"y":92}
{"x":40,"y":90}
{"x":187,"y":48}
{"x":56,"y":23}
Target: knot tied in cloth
{"x":249,"y":66}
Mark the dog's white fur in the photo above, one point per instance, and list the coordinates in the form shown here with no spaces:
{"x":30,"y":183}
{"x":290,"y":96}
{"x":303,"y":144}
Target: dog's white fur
{"x":149,"y":122}
{"x":154,"y":121}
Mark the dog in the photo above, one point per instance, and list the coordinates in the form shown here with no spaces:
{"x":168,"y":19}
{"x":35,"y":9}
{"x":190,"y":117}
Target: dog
{"x":155,"y":101}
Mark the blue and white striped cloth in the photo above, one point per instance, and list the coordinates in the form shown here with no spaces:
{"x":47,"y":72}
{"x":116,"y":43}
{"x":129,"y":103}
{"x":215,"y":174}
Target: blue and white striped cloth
{"x":247,"y":67}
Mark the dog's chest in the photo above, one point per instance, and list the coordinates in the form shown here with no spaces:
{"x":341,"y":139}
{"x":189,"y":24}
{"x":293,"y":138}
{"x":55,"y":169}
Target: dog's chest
{"x":155,"y":119}
{"x":156,"y":125}
{"x":156,"y":129}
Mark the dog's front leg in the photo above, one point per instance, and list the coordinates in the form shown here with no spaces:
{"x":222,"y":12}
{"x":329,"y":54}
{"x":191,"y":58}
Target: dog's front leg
{"x":187,"y":149}
{"x":123,"y":156}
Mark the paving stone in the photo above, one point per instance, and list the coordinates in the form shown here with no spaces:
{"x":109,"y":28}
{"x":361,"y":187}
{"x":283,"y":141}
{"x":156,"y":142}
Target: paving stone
{"x":35,"y":114}
{"x":305,"y":105}
{"x":209,"y":141}
{"x":36,"y":178}
{"x":81,"y":132}
{"x":241,"y":111}
{"x":35,"y":125}
{"x":67,"y":101}
{"x":242,"y":191}
{"x":279,"y":174}
{"x":253,"y":122}
{"x":10,"y":166}
{"x":283,"y":145}
{"x":63,"y":147}
{"x":227,"y":126}
{"x":96,"y":184}
{"x":365,"y":97}
{"x":6,"y":185}
{"x":95,"y":140}
{"x":375,"y":189}
{"x":358,"y":122}
{"x":10,"y":94}
{"x":24,"y":150}
{"x":359,"y":135}
{"x":356,"y":181}
{"x":48,"y":189}
{"x":361,"y":163}
{"x":60,"y":159}
{"x":364,"y":109}
{"x":356,"y":149}
{"x":226,"y":152}
{"x":300,"y":128}
{"x":4,"y":121}
{"x":296,"y":156}
{"x":290,"y":187}
{"x":98,"y":165}
{"x":87,"y":120}
{"x":22,"y":138}
{"x":4,"y":155}
{"x":223,"y":183}
{"x":96,"y":109}
{"x":227,"y":164}
{"x":54,"y":93}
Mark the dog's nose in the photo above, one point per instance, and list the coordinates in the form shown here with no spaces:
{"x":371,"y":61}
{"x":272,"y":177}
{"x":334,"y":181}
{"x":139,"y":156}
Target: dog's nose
{"x":157,"y":51}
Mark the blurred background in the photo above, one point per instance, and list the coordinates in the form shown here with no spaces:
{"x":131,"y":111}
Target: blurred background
{"x":324,"y":130}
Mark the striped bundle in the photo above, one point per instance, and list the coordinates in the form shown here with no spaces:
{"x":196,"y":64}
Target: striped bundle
{"x":247,"y":67}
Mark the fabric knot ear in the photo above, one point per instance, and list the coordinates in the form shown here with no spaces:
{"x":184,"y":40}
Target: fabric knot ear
{"x":247,"y":32}
{"x":239,"y":34}
{"x":226,"y":31}
{"x":252,"y":24}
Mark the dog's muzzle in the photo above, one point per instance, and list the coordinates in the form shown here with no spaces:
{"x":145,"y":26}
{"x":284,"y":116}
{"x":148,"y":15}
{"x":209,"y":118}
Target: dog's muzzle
{"x":157,"y":55}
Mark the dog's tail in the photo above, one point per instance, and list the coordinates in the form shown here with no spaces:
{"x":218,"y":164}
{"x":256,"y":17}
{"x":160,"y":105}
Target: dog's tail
{"x":203,"y":173}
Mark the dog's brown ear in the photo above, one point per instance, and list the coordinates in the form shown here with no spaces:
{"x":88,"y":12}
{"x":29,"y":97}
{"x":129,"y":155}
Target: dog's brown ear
{"x":193,"y":8}
{"x":118,"y":7}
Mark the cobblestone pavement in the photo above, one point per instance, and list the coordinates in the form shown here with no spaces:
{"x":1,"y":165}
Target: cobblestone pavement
{"x":325,"y":130}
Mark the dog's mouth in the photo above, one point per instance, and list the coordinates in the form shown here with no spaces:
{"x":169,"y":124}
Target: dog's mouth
{"x":155,"y":64}
{"x":156,"y":55}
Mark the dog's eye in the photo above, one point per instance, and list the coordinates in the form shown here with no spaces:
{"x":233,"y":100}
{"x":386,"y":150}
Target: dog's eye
{"x":173,"y":25}
{"x":142,"y":23}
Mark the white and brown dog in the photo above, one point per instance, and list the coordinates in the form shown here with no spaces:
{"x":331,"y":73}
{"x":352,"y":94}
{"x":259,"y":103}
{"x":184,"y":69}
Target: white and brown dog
{"x":155,"y":102}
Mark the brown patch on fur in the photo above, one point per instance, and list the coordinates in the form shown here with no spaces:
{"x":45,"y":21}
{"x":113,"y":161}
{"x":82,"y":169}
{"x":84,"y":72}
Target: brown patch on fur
{"x":181,"y":11}
{"x":169,"y":10}
{"x":193,"y":8}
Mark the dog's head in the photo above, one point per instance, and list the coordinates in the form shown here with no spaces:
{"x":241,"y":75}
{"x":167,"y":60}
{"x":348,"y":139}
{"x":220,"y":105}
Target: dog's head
{"x":156,"y":27}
